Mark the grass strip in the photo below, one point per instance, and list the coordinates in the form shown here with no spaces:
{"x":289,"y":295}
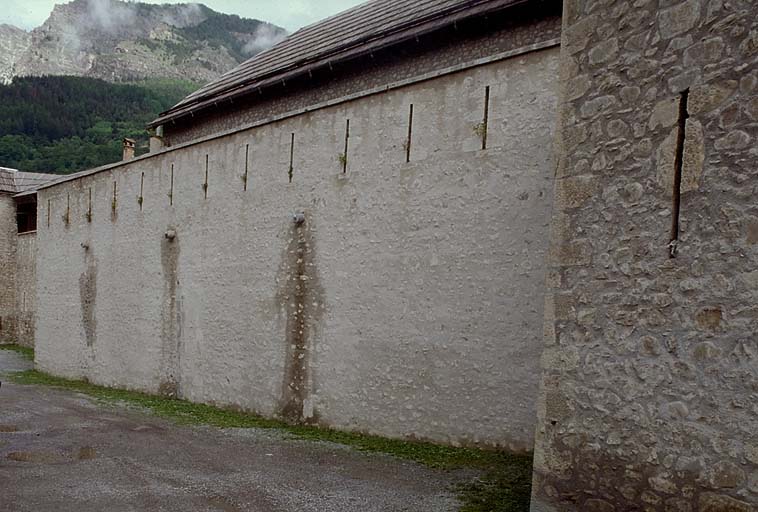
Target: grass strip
{"x":27,"y":352}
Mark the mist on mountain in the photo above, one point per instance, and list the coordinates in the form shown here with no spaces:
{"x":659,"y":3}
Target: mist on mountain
{"x":121,"y":41}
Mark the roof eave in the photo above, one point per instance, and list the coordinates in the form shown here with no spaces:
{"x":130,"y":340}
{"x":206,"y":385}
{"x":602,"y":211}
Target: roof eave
{"x":356,"y":51}
{"x":26,"y":193}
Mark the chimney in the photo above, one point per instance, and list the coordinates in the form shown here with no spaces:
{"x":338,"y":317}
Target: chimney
{"x":156,"y":144}
{"x":129,"y":145}
{"x":156,"y":140}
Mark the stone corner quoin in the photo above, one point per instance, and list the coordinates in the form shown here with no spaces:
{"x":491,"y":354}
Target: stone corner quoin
{"x":649,"y":387}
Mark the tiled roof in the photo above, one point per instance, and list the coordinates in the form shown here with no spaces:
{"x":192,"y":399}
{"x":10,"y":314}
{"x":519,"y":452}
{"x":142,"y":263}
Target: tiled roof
{"x":7,"y":180}
{"x":15,"y":182}
{"x":357,"y":31}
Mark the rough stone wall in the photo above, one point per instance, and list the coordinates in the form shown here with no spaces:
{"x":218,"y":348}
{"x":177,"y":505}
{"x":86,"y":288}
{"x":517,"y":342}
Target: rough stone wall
{"x":8,"y":329}
{"x":649,"y":397}
{"x":515,"y":28}
{"x":26,"y":287}
{"x":408,"y":303}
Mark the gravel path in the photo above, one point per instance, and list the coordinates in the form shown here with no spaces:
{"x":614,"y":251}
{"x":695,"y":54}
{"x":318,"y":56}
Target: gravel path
{"x":62,"y":451}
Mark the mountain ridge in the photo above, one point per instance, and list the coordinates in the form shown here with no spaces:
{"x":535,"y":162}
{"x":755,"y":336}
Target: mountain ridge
{"x":122,"y":41}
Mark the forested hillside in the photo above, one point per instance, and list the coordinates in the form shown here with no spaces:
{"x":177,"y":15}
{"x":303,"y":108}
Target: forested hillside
{"x":67,"y":124}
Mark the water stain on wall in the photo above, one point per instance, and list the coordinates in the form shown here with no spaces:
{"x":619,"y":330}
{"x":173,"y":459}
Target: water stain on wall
{"x":171,"y":315}
{"x":88,"y":295}
{"x":302,"y":299}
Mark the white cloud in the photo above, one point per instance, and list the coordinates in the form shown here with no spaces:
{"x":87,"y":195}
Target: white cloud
{"x":107,"y":15}
{"x":265,"y":37}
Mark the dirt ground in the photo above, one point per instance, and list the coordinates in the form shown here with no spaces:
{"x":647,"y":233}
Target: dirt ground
{"x":63,"y":451}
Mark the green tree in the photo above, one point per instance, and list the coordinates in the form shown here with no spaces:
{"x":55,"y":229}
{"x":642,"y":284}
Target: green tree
{"x":65,"y":124}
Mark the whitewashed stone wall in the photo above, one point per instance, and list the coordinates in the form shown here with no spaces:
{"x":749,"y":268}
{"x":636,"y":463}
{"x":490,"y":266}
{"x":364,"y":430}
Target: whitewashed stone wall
{"x":26,"y":287}
{"x":409,"y":303}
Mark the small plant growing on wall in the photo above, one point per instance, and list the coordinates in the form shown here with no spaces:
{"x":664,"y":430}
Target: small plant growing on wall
{"x":140,"y":199}
{"x":406,"y":145}
{"x":88,"y":215}
{"x":480,"y":129}
{"x":67,"y":215}
{"x":342,"y":159}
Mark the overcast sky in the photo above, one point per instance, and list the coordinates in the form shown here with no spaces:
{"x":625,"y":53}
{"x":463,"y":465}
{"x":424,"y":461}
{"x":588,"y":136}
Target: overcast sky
{"x":290,"y":14}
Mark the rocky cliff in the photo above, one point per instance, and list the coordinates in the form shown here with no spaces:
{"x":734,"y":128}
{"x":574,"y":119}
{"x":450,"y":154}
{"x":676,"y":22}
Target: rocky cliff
{"x":128,"y":41}
{"x":13,"y":43}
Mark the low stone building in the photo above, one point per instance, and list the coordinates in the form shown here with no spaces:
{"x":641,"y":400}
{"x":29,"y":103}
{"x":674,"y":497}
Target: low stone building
{"x":18,"y":227}
{"x":382,"y":223}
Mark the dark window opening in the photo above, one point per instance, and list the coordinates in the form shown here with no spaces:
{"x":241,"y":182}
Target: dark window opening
{"x":26,"y":214}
